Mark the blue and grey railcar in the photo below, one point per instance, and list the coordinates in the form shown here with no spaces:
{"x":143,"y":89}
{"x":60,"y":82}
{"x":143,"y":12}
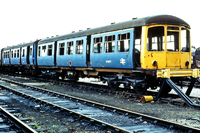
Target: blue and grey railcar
{"x":141,"y":53}
{"x":20,"y":58}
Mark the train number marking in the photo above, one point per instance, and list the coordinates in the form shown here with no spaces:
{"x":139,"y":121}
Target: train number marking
{"x":108,"y":61}
{"x":122,"y":61}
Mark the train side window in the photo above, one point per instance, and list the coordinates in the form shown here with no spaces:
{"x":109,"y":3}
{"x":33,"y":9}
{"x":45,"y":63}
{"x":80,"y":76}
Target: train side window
{"x":123,"y":42}
{"x":79,"y":47}
{"x":23,"y":52}
{"x":30,"y":52}
{"x":43,"y":50}
{"x":173,"y":39}
{"x":61,"y":48}
{"x":17,"y":53}
{"x":97,"y":45}
{"x":49,"y":50}
{"x":39,"y":50}
{"x":12,"y":55}
{"x":156,"y":41}
{"x":185,"y":40}
{"x":69,"y":48}
{"x":109,"y":44}
{"x":6,"y":55}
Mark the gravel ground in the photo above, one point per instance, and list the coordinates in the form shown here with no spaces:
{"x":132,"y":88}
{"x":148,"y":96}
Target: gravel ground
{"x":46,"y":119}
{"x":183,"y":115}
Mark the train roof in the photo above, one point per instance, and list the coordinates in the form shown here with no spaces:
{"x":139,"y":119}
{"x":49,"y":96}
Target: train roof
{"x":158,"y":19}
{"x":20,"y":45}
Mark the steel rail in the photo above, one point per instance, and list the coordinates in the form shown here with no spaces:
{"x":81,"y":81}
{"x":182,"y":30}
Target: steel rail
{"x":154,"y":120}
{"x":104,"y":124}
{"x":21,"y":125}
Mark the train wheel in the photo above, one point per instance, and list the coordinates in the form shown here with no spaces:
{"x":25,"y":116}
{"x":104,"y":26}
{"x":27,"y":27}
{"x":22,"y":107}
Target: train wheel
{"x":140,"y":90}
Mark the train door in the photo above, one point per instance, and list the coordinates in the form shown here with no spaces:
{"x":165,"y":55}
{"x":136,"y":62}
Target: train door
{"x":9,"y":56}
{"x":137,"y":47}
{"x":35,"y":45}
{"x":31,"y":59}
{"x":124,"y":45}
{"x":80,"y":53}
{"x":27,"y":55}
{"x":178,"y":47}
{"x":20,"y":54}
{"x":0,"y":57}
{"x":173,"y":55}
{"x":88,"y":50}
{"x":55,"y":52}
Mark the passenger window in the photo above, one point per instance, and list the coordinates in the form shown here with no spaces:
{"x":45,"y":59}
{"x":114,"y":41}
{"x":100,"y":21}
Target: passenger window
{"x":109,"y":44}
{"x":17,"y":53}
{"x":39,"y":51}
{"x":61,"y":48}
{"x":43,"y":50}
{"x":185,"y":40}
{"x":49,"y":50}
{"x":156,"y":41}
{"x":79,"y":47}
{"x":123,"y":42}
{"x":30,"y":52}
{"x":69,"y":48}
{"x":6,"y":55}
{"x":12,"y":54}
{"x":173,"y":39}
{"x":97,"y":45}
{"x":23,"y":52}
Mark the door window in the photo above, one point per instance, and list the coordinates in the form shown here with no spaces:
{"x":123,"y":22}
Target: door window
{"x":173,"y":39}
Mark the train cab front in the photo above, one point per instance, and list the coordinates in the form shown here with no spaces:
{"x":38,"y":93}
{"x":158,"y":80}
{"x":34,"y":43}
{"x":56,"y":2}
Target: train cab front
{"x":165,"y":47}
{"x":166,"y":50}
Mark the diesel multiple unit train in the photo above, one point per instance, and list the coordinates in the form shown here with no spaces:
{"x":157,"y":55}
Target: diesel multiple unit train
{"x":141,"y":53}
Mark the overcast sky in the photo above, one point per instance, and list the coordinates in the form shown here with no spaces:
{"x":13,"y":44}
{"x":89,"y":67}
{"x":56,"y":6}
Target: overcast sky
{"x":28,"y":20}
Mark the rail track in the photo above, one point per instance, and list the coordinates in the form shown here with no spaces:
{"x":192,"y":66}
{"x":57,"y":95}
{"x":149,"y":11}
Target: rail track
{"x":108,"y":117}
{"x":11,"y":123}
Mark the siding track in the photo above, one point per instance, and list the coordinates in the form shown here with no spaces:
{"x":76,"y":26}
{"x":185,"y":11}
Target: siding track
{"x":108,"y":117}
